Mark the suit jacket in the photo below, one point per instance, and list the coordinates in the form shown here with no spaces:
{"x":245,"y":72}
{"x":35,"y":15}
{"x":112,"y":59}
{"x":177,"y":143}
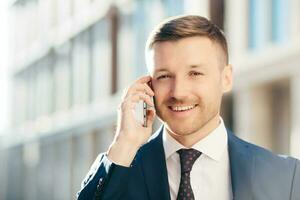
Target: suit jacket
{"x":256,"y":174}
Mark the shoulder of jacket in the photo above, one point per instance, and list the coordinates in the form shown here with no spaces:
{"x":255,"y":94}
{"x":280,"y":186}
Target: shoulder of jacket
{"x":261,"y":153}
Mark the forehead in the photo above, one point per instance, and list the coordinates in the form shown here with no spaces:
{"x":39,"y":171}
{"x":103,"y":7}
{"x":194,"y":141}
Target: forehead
{"x":188,"y":51}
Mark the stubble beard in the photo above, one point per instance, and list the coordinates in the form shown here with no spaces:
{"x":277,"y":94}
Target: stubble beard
{"x":187,"y":127}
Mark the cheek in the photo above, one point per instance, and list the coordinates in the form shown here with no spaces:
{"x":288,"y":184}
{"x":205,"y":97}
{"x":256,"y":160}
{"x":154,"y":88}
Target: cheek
{"x":208,"y":90}
{"x":214,"y":94}
{"x":214,"y":83}
{"x":160,"y":91}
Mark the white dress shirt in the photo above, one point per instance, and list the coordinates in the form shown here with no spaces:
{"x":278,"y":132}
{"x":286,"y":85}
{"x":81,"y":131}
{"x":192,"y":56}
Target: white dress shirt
{"x":210,"y":175}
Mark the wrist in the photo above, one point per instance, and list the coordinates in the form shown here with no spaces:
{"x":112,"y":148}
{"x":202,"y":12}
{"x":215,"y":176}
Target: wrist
{"x":122,"y":152}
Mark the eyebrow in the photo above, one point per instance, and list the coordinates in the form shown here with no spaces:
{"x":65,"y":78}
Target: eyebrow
{"x":196,"y":66}
{"x":193,"y":66}
{"x":161,"y":70}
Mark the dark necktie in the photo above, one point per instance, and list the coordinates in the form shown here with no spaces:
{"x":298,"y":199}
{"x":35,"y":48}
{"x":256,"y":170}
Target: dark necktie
{"x":187,"y":159}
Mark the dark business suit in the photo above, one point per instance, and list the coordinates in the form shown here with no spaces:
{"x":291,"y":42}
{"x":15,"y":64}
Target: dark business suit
{"x":256,"y":174}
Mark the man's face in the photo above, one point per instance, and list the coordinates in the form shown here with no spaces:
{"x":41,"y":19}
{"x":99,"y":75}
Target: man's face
{"x":189,"y":79}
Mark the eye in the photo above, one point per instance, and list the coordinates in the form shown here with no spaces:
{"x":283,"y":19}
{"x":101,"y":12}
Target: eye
{"x":193,"y":73}
{"x":163,"y":77}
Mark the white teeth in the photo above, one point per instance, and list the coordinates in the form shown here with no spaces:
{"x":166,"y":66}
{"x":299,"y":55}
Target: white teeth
{"x":182,"y":108}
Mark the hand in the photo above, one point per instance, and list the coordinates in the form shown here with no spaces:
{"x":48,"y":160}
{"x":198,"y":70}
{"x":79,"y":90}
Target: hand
{"x":131,"y":134}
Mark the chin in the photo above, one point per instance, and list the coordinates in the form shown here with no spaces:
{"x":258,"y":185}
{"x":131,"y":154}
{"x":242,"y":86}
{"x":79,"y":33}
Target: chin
{"x":181,"y":129}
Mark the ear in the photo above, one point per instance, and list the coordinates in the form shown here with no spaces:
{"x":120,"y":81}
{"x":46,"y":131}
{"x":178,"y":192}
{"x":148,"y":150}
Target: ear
{"x":227,"y":78}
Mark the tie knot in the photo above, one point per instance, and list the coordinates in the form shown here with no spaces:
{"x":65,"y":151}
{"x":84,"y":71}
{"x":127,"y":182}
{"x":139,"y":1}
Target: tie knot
{"x":188,"y":158}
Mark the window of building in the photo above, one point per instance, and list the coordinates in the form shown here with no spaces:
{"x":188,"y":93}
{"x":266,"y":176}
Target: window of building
{"x":126,"y":40}
{"x":280,"y":20}
{"x":101,"y":60}
{"x":20,"y":98}
{"x":140,"y":27}
{"x":173,"y":7}
{"x":62,"y":77}
{"x":32,"y":99}
{"x":259,"y":24}
{"x":143,"y":23}
{"x":80,"y":69}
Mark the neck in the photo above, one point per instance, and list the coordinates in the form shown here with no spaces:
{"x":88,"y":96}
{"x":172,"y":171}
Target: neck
{"x":191,"y":139}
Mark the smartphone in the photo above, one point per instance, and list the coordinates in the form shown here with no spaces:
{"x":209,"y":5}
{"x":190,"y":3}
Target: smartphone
{"x":141,"y":110}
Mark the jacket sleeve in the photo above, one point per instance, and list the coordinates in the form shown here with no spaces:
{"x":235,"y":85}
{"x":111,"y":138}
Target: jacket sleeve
{"x":295,"y":192}
{"x":105,"y":180}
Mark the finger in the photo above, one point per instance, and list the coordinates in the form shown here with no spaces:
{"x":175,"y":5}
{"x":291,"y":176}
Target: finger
{"x":143,"y":79}
{"x":141,"y":88}
{"x":139,"y":84}
{"x":131,"y":101}
{"x":142,"y":96}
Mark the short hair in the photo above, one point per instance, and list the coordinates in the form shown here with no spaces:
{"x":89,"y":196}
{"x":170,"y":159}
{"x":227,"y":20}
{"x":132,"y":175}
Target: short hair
{"x":183,"y":26}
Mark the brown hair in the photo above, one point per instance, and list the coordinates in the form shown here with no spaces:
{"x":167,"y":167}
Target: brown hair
{"x":175,"y":28}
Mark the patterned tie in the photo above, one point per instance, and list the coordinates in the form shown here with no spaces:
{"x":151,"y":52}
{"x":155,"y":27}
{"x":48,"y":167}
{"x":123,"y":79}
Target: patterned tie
{"x":187,"y":159}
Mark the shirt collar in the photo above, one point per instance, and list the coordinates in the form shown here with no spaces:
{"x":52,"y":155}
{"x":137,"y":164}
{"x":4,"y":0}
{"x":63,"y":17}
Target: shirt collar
{"x":213,"y":145}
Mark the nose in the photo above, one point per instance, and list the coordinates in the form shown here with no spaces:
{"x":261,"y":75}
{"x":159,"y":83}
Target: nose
{"x":179,"y":89}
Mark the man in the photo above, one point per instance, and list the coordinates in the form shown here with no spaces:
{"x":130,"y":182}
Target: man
{"x":192,"y":156}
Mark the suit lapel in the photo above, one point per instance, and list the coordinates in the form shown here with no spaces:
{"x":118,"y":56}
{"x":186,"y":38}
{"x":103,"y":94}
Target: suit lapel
{"x":156,"y":176}
{"x":154,"y":168}
{"x":241,"y":167}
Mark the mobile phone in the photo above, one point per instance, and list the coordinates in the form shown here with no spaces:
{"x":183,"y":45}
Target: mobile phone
{"x":141,"y":110}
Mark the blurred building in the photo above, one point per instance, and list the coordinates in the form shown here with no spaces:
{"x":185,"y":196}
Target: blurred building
{"x":73,"y":58}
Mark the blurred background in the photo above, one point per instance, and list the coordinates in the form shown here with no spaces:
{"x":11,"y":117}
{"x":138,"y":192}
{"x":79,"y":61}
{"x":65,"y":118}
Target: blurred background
{"x":64,"y":65}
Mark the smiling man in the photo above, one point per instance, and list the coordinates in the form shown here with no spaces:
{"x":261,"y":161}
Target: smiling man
{"x":190,"y":76}
{"x":192,"y":156}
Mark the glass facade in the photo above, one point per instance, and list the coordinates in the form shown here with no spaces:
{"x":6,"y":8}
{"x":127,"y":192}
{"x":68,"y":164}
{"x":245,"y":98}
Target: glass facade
{"x":62,"y":78}
{"x":81,"y":67}
{"x":259,"y":24}
{"x":280,"y":20}
{"x":101,"y":60}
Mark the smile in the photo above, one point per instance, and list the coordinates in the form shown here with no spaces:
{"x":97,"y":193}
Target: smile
{"x":182,"y":108}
